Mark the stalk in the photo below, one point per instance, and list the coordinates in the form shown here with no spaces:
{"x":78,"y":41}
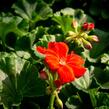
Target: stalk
{"x":52,"y":99}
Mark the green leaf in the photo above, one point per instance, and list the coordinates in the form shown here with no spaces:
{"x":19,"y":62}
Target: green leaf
{"x":102,"y":76}
{"x":92,"y":94}
{"x":32,"y":10}
{"x":19,"y":78}
{"x":65,"y":16}
{"x":105,"y":58}
{"x":99,"y":48}
{"x":98,"y":98}
{"x":9,"y":23}
{"x":73,"y":102}
{"x":84,"y":82}
{"x":28,"y":82}
{"x":45,"y":39}
{"x":26,"y":42}
{"x":86,"y":55}
{"x":23,"y":54}
{"x":11,"y":27}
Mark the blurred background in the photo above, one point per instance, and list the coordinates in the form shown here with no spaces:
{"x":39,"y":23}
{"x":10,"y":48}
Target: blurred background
{"x":97,"y":9}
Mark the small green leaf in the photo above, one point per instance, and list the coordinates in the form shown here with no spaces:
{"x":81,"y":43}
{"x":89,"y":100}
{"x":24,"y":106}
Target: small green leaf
{"x":73,"y":102}
{"x":105,"y":58}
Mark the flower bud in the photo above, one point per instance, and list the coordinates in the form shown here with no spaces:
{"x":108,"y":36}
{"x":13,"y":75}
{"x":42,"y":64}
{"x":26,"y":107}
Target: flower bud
{"x":70,"y":33}
{"x":43,"y":75}
{"x":88,"y":26}
{"x":84,"y":35}
{"x":74,"y":24}
{"x":70,"y":36}
{"x":68,"y":39}
{"x":93,"y":38}
{"x":86,"y":44}
{"x":59,"y":103}
{"x":85,"y":26}
{"x":91,"y":26}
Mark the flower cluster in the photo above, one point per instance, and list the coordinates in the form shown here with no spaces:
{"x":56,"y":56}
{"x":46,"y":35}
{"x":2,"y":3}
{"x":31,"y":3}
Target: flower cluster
{"x":66,"y":66}
{"x":80,"y":35}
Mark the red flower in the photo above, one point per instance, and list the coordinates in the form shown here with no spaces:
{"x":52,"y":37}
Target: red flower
{"x":68,"y":66}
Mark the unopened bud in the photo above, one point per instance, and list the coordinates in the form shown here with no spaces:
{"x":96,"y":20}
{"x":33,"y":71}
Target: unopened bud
{"x":88,"y":26}
{"x":93,"y":38}
{"x":85,"y":26}
{"x":91,"y":26}
{"x":68,"y":39}
{"x":70,"y":36}
{"x":70,"y":33}
{"x":74,"y":24}
{"x":43,"y":75}
{"x":59,"y":103}
{"x":84,"y":35}
{"x":87,"y":44}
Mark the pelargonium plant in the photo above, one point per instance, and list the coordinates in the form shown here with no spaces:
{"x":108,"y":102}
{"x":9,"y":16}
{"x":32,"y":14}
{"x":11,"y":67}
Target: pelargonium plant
{"x":52,"y":59}
{"x":60,"y":68}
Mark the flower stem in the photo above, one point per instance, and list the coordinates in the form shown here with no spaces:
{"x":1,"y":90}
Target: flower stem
{"x":52,"y":98}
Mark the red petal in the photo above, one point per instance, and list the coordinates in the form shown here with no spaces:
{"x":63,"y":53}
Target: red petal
{"x":41,"y":49}
{"x":74,"y":59}
{"x":65,"y":74}
{"x":78,"y":71}
{"x":51,"y":52}
{"x":52,"y":61}
{"x":59,"y":47}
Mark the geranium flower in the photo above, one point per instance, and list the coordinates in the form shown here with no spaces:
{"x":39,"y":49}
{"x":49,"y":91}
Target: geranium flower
{"x":68,"y":66}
